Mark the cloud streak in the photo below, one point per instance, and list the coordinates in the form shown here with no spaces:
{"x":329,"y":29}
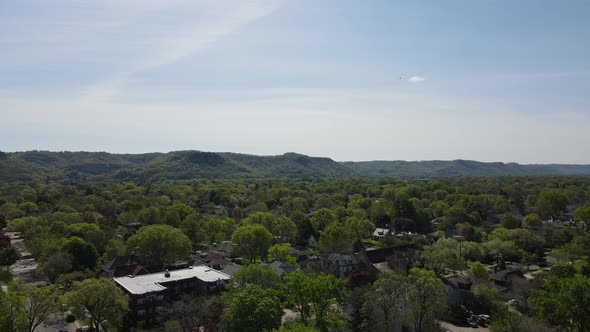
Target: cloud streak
{"x":120,"y":39}
{"x":416,"y":79}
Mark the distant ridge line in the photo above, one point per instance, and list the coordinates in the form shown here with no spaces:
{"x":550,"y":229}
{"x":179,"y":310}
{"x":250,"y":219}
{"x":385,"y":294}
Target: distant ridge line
{"x":191,"y":164}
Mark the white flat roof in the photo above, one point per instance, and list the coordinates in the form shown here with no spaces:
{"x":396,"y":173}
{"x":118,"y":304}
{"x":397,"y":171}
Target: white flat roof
{"x":152,"y":282}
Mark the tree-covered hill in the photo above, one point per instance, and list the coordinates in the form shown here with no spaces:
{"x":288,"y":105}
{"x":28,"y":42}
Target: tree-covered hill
{"x":438,"y":168}
{"x":181,"y":165}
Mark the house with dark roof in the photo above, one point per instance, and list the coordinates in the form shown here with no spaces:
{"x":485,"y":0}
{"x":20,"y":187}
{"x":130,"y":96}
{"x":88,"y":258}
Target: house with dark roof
{"x":398,"y":258}
{"x":213,"y":259}
{"x":230,"y":268}
{"x":342,"y":263}
{"x":123,"y":266}
{"x":281,"y":268}
{"x":460,"y":289}
{"x":508,"y":278}
{"x":224,"y":248}
{"x":318,"y":264}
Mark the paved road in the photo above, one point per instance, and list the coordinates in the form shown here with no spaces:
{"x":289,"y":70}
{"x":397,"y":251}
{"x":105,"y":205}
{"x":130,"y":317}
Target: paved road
{"x":56,"y":323}
{"x":454,"y":328}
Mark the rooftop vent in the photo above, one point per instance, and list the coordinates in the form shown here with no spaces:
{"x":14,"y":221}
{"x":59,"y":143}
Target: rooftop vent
{"x":167,"y":274}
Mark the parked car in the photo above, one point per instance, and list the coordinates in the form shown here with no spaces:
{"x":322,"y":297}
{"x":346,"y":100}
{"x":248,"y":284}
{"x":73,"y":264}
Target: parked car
{"x":70,"y":318}
{"x":472,"y":322}
{"x":486,"y":318}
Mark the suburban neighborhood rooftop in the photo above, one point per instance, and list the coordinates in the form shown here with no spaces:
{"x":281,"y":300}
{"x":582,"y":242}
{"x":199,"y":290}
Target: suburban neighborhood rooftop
{"x":153,"y":282}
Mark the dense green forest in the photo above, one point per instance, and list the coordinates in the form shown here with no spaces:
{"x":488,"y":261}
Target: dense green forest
{"x":183,"y":165}
{"x":470,"y":227}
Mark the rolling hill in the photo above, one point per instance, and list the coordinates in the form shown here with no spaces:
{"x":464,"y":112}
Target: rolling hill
{"x":183,"y":165}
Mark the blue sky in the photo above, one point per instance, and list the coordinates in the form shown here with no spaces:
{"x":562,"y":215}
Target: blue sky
{"x":351,"y":80}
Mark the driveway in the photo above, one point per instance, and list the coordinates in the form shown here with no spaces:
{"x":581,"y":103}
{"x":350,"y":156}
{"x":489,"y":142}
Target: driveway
{"x":454,"y":328}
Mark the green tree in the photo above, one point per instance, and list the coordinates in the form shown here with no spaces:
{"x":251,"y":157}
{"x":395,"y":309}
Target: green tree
{"x":527,"y":240}
{"x":443,"y":254}
{"x":426,"y":299}
{"x":472,"y":251}
{"x":359,"y":228}
{"x":114,"y":248}
{"x":191,"y":313}
{"x":296,"y":327}
{"x":56,"y":265}
{"x":487,"y":299}
{"x":386,"y":303}
{"x":160,"y":245}
{"x":12,"y":302}
{"x":193,"y":227}
{"x":336,"y":238}
{"x":8,"y":256}
{"x":478,"y":270}
{"x":253,"y":309}
{"x":455,"y":215}
{"x":252,"y":241}
{"x":532,"y":220}
{"x":564,"y":302}
{"x":282,"y":228}
{"x":90,"y":233}
{"x":321,"y":218}
{"x":182,"y":210}
{"x":582,"y":216}
{"x":317,"y":297}
{"x":280,"y":252}
{"x":509,"y":221}
{"x":403,"y":205}
{"x":10,"y":211}
{"x":40,"y":303}
{"x":562,"y":270}
{"x":84,"y":254}
{"x":99,"y":300}
{"x":508,"y":321}
{"x":551,"y":202}
{"x":261,"y":276}
{"x":501,"y":251}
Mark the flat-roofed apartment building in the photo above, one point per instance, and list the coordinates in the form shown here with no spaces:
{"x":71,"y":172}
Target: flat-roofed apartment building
{"x":148,"y":294}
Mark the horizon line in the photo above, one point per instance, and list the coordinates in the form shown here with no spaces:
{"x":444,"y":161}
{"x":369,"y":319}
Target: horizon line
{"x":298,"y":153}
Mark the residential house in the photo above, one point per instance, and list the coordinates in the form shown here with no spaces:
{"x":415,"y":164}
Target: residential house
{"x":281,"y":268}
{"x":123,"y":266}
{"x":392,"y":259}
{"x":342,"y":263}
{"x":230,"y":268}
{"x":149,"y":294}
{"x":224,"y":248}
{"x":318,"y":264}
{"x":213,"y":259}
{"x":508,"y":278}
{"x":460,"y":289}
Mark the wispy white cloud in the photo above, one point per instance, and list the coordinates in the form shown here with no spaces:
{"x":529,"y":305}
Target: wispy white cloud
{"x":416,"y":79}
{"x":186,"y":37}
{"x":193,"y":36}
{"x":119,"y":39}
